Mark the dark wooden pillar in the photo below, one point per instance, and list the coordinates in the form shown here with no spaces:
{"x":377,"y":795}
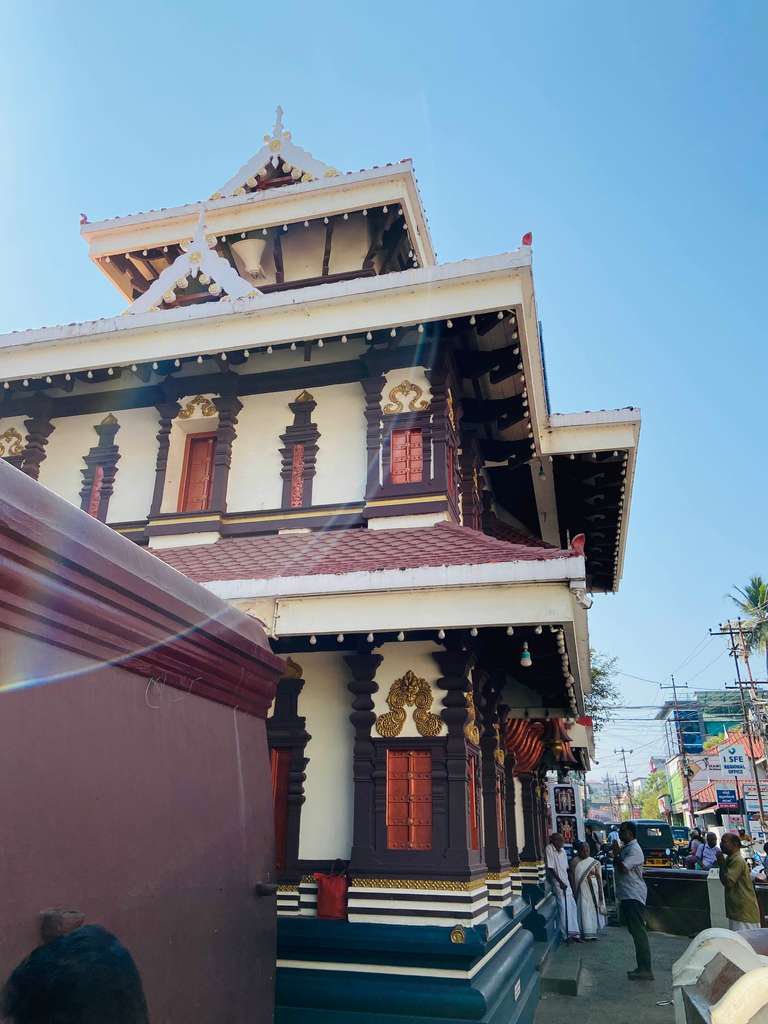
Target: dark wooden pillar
{"x":493,"y":773}
{"x":168,"y":411}
{"x":286,"y":732}
{"x":39,"y":428}
{"x":532,"y":850}
{"x":362,"y":686}
{"x":228,"y":407}
{"x":513,"y":849}
{"x":455,"y":666}
{"x":100,"y":470}
{"x":373,"y":387}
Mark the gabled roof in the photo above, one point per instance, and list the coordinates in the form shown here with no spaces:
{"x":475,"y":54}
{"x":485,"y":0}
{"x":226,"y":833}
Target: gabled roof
{"x":196,"y":258}
{"x":278,"y":151}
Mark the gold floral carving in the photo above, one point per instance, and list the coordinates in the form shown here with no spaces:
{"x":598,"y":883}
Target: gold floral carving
{"x":499,"y":752}
{"x":11,"y":442}
{"x":293,"y":669}
{"x":207,"y":408}
{"x":415,"y":404}
{"x":458,"y":935}
{"x":428,"y":884}
{"x":471,"y":730}
{"x":451,"y":412}
{"x":409,"y":691}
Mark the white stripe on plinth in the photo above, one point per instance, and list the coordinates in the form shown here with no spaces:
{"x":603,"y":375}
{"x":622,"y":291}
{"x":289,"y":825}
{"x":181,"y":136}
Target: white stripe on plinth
{"x":416,"y":972}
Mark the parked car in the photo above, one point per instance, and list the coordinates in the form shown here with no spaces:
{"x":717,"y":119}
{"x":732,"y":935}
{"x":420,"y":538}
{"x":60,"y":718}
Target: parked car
{"x":656,"y":841}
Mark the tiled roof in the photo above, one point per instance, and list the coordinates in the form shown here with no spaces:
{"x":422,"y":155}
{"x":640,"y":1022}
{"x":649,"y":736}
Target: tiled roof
{"x":503,"y":531}
{"x":335,"y":552}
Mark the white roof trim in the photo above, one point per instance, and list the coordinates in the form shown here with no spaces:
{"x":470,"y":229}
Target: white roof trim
{"x":198,"y":257}
{"x":588,"y":419}
{"x":428,"y":577}
{"x":405,"y":280}
{"x":403,"y":169}
{"x":277,"y":146}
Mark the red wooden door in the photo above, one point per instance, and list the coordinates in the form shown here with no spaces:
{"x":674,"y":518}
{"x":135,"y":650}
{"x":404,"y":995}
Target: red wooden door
{"x":409,"y":800}
{"x":280,"y":763}
{"x":196,"y":478}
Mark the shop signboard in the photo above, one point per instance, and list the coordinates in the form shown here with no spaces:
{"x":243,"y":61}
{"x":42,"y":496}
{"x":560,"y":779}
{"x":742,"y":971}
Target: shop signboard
{"x":727,"y":799}
{"x":751,"y":802}
{"x":734,"y":761}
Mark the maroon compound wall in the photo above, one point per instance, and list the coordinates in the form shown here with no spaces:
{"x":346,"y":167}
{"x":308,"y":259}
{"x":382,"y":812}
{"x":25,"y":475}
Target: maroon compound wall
{"x":123,"y":793}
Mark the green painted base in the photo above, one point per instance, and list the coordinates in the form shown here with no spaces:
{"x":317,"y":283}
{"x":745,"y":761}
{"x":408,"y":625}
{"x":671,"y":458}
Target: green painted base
{"x":333,"y":971}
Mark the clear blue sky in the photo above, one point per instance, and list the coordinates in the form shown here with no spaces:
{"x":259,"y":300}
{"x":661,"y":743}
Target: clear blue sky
{"x":631,"y":139}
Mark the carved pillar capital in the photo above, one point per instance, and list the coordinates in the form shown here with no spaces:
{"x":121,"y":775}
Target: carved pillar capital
{"x":167,"y":413}
{"x":228,"y":407}
{"x":39,"y":428}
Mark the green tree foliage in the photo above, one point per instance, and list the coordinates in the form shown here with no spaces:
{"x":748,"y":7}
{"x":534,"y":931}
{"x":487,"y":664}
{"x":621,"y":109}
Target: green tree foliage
{"x":714,"y":741}
{"x":752,"y":602}
{"x":604,"y":697}
{"x":655,"y":785}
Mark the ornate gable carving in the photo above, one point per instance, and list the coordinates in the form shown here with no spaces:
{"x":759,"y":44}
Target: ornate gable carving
{"x":198,"y":258}
{"x":278,"y":154}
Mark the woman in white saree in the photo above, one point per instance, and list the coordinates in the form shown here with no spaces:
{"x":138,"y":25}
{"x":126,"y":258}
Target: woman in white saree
{"x":588,"y":890}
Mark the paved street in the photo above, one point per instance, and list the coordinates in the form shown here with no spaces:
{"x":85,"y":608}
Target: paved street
{"x":606,"y":996}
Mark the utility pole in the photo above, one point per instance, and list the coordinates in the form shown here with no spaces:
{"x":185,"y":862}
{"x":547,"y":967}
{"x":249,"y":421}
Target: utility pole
{"x":681,"y":744}
{"x":728,"y":631}
{"x":624,"y":753}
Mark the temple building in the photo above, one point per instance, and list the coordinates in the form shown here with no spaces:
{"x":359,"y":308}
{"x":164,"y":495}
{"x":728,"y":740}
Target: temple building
{"x":300,"y":409}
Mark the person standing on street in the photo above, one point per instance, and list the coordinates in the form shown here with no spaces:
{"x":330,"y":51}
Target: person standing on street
{"x":741,"y":906}
{"x":631,"y":894}
{"x":557,"y":872}
{"x":708,"y":853}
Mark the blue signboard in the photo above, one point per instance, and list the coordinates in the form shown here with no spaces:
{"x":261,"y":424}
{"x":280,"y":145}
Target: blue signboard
{"x":727,"y":799}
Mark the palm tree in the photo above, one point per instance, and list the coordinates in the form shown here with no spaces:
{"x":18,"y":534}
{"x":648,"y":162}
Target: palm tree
{"x":752,"y":601}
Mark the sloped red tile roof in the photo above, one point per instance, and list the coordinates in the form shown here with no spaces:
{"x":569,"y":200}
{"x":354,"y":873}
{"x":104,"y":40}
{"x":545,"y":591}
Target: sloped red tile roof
{"x":335,"y":552}
{"x":503,"y":531}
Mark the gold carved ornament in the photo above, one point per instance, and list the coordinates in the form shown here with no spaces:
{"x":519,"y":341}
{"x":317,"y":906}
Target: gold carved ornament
{"x":11,"y":442}
{"x":410,"y":691}
{"x":471,"y":731}
{"x":416,"y":403}
{"x":304,"y":396}
{"x":458,"y":935}
{"x":207,"y":408}
{"x":499,"y":751}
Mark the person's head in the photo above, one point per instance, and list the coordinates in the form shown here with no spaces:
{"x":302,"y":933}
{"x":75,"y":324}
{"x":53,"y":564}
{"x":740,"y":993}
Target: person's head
{"x":557,"y":841}
{"x":765,"y":847}
{"x":730,"y":843}
{"x":582,"y":851}
{"x":742,"y":834}
{"x":85,"y":977}
{"x":711,"y":839}
{"x":588,"y":830}
{"x":695,"y":834}
{"x":627,"y":832}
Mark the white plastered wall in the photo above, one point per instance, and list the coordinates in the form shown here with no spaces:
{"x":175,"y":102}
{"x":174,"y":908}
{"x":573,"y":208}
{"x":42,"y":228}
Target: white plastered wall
{"x":254,"y":479}
{"x":74,"y":436}
{"x":325,"y":702}
{"x":398,"y":658}
{"x":196,"y":423}
{"x":135,"y":480}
